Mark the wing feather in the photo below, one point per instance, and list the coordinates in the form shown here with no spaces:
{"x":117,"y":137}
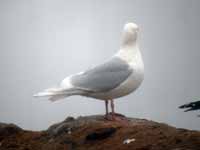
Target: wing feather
{"x":104,"y":77}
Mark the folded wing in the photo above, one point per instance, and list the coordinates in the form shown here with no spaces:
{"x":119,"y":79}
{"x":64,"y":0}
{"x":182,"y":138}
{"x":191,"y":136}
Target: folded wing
{"x":104,"y":77}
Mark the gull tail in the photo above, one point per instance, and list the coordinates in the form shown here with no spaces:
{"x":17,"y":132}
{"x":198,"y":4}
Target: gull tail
{"x":55,"y":94}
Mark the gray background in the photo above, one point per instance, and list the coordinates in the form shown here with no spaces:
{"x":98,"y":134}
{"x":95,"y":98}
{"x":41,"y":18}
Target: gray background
{"x":41,"y":42}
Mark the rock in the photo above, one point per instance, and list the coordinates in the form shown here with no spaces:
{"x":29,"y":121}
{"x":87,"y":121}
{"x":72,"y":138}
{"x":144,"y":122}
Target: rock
{"x":70,"y":124}
{"x":96,"y":133}
{"x":8,"y":129}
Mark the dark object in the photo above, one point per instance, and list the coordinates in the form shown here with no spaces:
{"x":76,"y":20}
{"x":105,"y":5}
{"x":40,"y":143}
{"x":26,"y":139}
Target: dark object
{"x":191,"y":106}
{"x":100,"y":134}
{"x":8,"y":129}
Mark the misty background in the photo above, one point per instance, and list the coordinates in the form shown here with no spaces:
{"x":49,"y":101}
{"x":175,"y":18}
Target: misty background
{"x":43,"y":41}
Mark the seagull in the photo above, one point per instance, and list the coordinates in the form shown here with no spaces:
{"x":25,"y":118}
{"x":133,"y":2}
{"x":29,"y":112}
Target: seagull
{"x":121,"y":75}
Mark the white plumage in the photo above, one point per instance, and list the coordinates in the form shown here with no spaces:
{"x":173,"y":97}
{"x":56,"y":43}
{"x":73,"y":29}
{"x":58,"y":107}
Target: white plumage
{"x":117,"y":77}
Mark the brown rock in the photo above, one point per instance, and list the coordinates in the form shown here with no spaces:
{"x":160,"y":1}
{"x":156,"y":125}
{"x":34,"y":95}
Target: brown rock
{"x":96,"y":133}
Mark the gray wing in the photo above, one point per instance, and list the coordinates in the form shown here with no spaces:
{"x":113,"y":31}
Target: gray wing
{"x":104,"y":77}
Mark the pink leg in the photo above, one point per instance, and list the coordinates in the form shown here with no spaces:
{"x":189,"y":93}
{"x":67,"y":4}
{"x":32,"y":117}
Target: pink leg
{"x":112,"y":107}
{"x":106,"y":104}
{"x":114,"y":116}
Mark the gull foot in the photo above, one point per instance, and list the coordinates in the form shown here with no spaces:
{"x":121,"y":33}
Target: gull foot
{"x":117,"y":117}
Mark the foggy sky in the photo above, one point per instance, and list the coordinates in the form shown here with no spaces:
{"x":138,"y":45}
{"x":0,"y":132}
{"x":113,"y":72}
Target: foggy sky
{"x":43,"y":41}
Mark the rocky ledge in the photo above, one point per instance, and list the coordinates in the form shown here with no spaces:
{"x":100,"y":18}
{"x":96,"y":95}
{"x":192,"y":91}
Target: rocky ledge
{"x":97,"y":133}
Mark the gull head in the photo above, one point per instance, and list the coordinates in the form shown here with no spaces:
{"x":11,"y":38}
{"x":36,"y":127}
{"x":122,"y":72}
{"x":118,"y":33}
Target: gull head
{"x":130,"y":34}
{"x":131,"y":27}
